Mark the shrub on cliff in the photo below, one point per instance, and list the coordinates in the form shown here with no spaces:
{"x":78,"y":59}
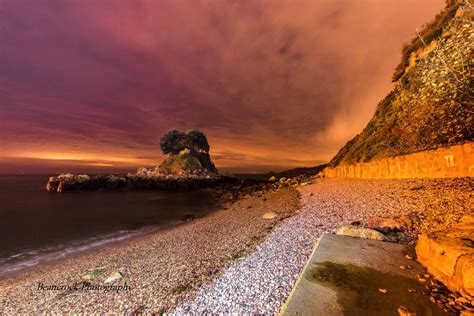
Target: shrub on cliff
{"x":197,"y":141}
{"x":429,"y":32}
{"x":174,"y":141}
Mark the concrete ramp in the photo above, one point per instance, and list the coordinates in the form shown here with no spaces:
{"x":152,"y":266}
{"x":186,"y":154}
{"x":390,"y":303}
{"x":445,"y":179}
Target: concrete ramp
{"x":344,"y":274}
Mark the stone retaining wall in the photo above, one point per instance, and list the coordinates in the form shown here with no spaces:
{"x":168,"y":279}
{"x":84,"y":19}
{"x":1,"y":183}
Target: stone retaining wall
{"x":454,"y":161}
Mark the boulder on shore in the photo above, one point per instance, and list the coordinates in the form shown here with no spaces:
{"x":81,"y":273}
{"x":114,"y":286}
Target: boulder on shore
{"x":390,"y":224}
{"x":362,"y":232}
{"x":270,"y":215}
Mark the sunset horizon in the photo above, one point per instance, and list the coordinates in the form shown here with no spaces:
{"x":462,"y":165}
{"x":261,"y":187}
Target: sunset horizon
{"x":101,"y":87}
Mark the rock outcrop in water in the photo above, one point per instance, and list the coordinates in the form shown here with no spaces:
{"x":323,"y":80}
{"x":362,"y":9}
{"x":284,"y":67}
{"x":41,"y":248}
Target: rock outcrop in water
{"x":188,"y":154}
{"x":187,"y":162}
{"x":187,"y":166}
{"x":67,"y":180}
{"x":142,"y":180}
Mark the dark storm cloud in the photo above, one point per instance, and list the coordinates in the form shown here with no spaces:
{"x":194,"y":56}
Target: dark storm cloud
{"x":272,"y":83}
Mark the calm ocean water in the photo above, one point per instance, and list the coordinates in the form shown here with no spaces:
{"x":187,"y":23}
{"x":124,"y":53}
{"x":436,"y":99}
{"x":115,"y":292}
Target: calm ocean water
{"x":37,"y":226}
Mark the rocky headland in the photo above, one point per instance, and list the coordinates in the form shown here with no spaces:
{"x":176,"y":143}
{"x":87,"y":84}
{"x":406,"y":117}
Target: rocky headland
{"x":188,"y":166}
{"x":142,"y":180}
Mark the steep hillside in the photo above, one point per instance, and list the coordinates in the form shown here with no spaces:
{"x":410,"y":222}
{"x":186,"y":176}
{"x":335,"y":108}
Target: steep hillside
{"x":290,"y":173}
{"x":431,"y":105}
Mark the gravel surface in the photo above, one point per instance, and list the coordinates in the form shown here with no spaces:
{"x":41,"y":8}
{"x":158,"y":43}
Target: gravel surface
{"x":161,"y":269}
{"x":260,"y":282}
{"x":220,"y":264}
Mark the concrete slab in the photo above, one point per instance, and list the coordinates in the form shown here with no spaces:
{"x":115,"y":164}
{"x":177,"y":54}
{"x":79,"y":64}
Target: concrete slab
{"x":344,"y":274}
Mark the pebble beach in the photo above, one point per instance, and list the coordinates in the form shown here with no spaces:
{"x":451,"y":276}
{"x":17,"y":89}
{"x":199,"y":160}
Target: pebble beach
{"x":157,"y":271}
{"x":234,"y":260}
{"x":260,"y":283}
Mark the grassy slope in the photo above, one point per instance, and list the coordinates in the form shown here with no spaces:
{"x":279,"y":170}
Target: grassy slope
{"x":432,"y":104}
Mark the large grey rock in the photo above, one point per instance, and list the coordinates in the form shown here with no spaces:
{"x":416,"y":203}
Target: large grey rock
{"x":391,"y":224}
{"x":362,"y":232}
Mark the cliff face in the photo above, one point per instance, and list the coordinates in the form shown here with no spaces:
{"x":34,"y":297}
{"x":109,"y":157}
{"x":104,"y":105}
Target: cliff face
{"x":431,"y":105}
{"x":188,"y":162}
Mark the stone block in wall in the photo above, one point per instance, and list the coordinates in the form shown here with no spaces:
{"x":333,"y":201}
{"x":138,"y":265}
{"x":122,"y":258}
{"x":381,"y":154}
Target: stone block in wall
{"x":454,"y":161}
{"x":448,"y":254}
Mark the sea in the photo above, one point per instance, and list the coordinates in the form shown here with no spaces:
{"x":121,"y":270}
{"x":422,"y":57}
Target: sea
{"x":38,"y":226}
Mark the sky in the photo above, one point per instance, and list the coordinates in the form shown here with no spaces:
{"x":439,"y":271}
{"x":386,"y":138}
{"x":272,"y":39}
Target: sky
{"x":90,"y":86}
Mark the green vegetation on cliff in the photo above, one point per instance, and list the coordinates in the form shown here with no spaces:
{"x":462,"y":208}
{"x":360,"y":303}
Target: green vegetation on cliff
{"x":429,"y":32}
{"x":431,"y":105}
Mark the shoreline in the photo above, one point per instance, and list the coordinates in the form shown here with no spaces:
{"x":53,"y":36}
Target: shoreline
{"x":77,"y":254}
{"x":98,"y":227}
{"x":161,"y":268}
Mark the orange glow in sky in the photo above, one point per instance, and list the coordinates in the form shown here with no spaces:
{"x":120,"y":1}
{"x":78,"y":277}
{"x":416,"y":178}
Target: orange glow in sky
{"x":273,"y":84}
